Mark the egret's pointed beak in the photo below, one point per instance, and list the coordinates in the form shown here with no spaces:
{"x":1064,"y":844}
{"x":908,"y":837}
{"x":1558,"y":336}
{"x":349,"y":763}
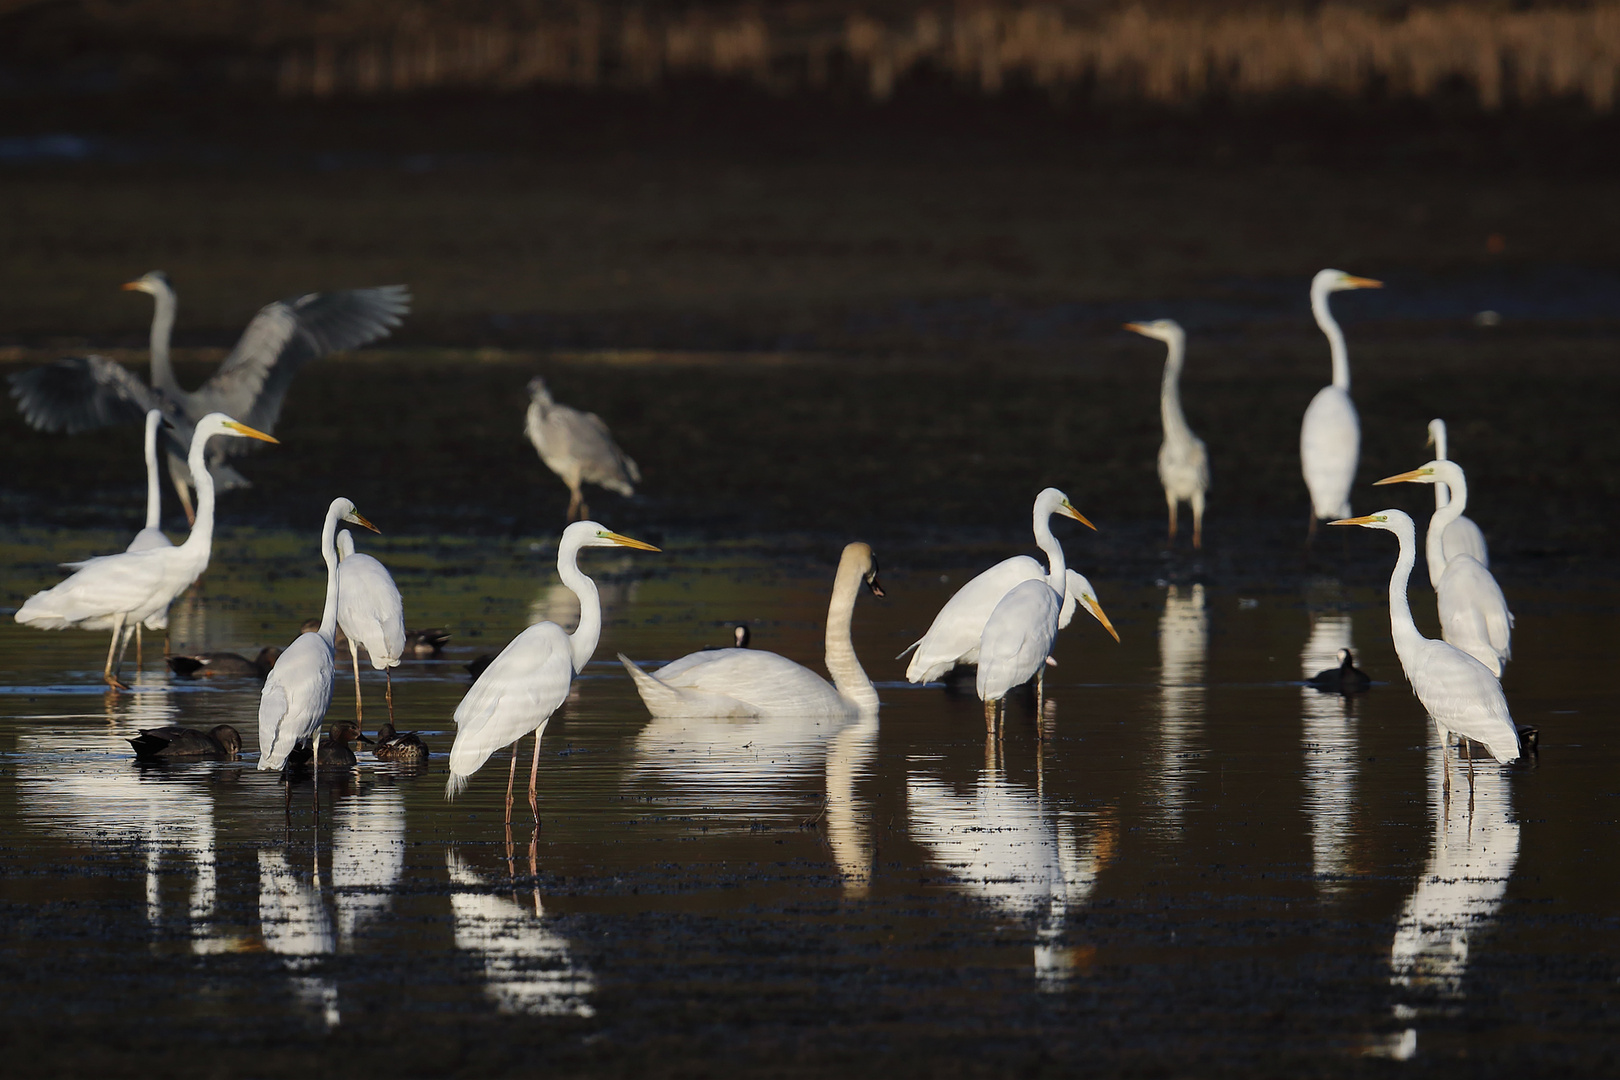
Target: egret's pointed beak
{"x":360,"y":519}
{"x":133,"y":286}
{"x":1135,"y":328}
{"x":252,"y":433}
{"x":1416,"y":476}
{"x":1067,"y":510}
{"x":1369,"y":519}
{"x":1097,"y":613}
{"x":625,"y":541}
{"x":1362,"y":283}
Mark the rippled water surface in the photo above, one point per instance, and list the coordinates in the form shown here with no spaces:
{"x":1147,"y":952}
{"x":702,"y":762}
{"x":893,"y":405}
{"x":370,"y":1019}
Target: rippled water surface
{"x":1187,"y":856}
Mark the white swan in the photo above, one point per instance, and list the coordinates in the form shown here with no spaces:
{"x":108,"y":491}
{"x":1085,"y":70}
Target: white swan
{"x":1183,"y":462}
{"x":1330,"y":437}
{"x":756,"y":683}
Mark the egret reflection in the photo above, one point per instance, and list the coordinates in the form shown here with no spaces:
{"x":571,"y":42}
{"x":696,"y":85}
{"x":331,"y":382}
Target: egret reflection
{"x":1329,"y":737}
{"x":368,"y":858}
{"x":294,"y":924}
{"x":528,"y":968}
{"x":1183,"y":649}
{"x":1471,"y":858}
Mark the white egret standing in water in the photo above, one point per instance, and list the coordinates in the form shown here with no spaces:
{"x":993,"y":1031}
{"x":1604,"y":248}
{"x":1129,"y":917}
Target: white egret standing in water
{"x":743,"y":683}
{"x":1330,"y":437}
{"x":1183,"y":463}
{"x":1462,"y":537}
{"x":152,"y":535}
{"x":1474,"y":615}
{"x":522,"y":687}
{"x":298,"y":689}
{"x":371,"y":614}
{"x":578,"y":447}
{"x":953,"y":637}
{"x":1460,"y":694}
{"x":117,"y":592}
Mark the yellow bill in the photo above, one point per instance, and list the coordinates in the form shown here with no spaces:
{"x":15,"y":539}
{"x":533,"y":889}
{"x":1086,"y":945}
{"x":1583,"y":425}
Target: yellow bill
{"x":625,"y":541}
{"x":1067,"y":510}
{"x":360,"y":519}
{"x":252,"y":433}
{"x":1362,"y":282}
{"x":1369,"y":519}
{"x":1097,"y":613}
{"x":1415,"y":476}
{"x":1135,"y":328}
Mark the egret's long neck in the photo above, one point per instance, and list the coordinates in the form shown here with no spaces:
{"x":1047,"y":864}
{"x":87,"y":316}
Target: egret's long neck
{"x":163,"y":303}
{"x":1402,"y":629}
{"x":202,"y":529}
{"x":582,"y":642}
{"x":154,"y":492}
{"x":1335,"y":336}
{"x":1434,"y":549}
{"x":329,"y":553}
{"x":848,"y":675}
{"x":1442,"y":493}
{"x":1175,"y":423}
{"x":1049,"y":544}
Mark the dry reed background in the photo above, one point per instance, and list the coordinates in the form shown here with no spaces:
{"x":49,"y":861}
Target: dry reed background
{"x":1503,"y":54}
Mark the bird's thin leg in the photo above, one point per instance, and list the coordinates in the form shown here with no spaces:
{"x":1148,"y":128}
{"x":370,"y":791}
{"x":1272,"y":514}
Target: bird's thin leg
{"x":286,"y":783}
{"x":534,"y":779}
{"x":1170,"y":501}
{"x":108,"y":675}
{"x":1470,"y":753}
{"x":1040,"y":693}
{"x":575,"y":499}
{"x":989,"y":716}
{"x":1310,"y":531}
{"x":388,"y":673}
{"x":511,"y":864}
{"x":315,"y":774}
{"x":165,"y":642}
{"x":185,"y":503}
{"x":511,"y":778}
{"x":354,"y":660}
{"x":1198,"y":520}
{"x":140,"y":662}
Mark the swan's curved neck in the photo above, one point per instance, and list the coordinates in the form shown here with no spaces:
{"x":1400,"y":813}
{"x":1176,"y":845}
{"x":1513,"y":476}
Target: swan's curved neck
{"x":154,"y":491}
{"x":202,"y":529}
{"x":163,"y":304}
{"x":1335,"y":336}
{"x":846,"y":671}
{"x":1053,"y":550}
{"x":329,"y":553}
{"x":582,"y":642}
{"x":1434,"y":548}
{"x":1175,"y":422}
{"x":1402,"y":629}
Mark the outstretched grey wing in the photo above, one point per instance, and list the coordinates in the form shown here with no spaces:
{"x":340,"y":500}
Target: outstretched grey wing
{"x":252,"y":382}
{"x":79,"y":393}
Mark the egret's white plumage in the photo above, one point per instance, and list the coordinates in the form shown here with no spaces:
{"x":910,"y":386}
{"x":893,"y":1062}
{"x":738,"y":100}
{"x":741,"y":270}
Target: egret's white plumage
{"x":1474,"y":615}
{"x":1462,"y":537}
{"x":371,"y":613}
{"x":1183,"y":462}
{"x":1461,"y":694}
{"x":578,"y":447}
{"x":152,"y":536}
{"x":746,"y":683}
{"x":1330,"y":437}
{"x":116,"y":592}
{"x":1017,"y":638}
{"x":298,"y":689}
{"x":953,"y":637}
{"x":521,"y":688}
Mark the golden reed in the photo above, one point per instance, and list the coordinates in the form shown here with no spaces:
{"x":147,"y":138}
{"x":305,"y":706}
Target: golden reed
{"x":1179,"y":55}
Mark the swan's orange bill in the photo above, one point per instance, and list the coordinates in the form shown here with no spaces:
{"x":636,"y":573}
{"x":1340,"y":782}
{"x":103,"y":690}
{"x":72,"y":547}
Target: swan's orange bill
{"x":1068,"y":510}
{"x":252,"y":433}
{"x":1405,"y":477}
{"x":1096,"y":609}
{"x":1362,"y":282}
{"x":1367,"y":520}
{"x":625,"y":541}
{"x":360,"y":519}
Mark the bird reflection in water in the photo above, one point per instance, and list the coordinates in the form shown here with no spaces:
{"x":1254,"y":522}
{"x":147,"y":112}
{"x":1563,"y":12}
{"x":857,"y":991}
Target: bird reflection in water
{"x":295,"y":925}
{"x":1330,"y":742}
{"x":368,"y":858}
{"x":1183,"y":648}
{"x":557,"y":603}
{"x":528,"y":968}
{"x":850,"y":756}
{"x":1008,"y":845}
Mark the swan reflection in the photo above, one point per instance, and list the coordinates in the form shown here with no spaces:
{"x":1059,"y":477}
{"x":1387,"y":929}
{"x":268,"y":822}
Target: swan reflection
{"x":850,"y":757}
{"x":1183,"y":648}
{"x":1328,"y":734}
{"x":1475,"y":847}
{"x":528,"y":969}
{"x":1004,"y":844}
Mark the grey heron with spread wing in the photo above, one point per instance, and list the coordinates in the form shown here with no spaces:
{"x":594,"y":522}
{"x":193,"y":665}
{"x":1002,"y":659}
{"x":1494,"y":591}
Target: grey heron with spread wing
{"x":80,"y":393}
{"x":578,"y":447}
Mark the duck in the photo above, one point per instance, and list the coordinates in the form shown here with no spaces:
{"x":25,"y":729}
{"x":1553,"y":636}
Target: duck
{"x":401,"y":746}
{"x":1344,"y":679}
{"x":740,"y":637}
{"x":475,"y":667}
{"x":335,"y":749}
{"x":183,"y":743}
{"x":211,"y":665}
{"x":426,"y":644}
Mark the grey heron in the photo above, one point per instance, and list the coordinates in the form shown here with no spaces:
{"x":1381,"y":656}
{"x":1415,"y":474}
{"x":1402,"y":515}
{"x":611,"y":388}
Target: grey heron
{"x":578,"y":447}
{"x":80,"y":393}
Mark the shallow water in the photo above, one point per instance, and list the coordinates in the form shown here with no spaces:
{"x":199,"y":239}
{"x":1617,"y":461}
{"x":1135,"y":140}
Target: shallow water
{"x":1202,"y":860}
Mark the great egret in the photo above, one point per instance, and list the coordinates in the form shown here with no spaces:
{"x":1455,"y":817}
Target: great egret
{"x":371,"y":613}
{"x":173,"y":743}
{"x":296,"y":694}
{"x":1474,"y":615}
{"x":1330,"y":437}
{"x":953,"y":637}
{"x":1345,"y":679}
{"x":401,"y":746}
{"x":578,"y":447}
{"x":223,"y":664}
{"x":748,"y":683}
{"x":1183,"y":463}
{"x":116,"y":592}
{"x":80,"y":393}
{"x":1025,"y":623}
{"x":1462,"y":537}
{"x":1460,"y":694}
{"x":528,"y":682}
